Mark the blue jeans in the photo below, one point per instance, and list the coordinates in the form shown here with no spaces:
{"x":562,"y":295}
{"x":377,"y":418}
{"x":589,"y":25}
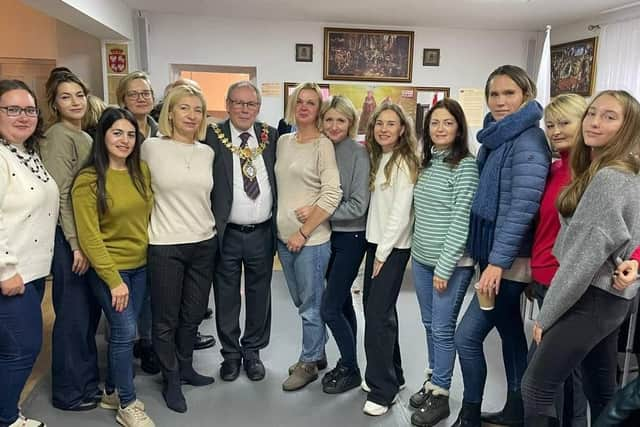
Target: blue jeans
{"x":20,"y":342}
{"x":304,"y":272}
{"x":123,"y":330}
{"x":474,"y":328}
{"x":439,"y":311}
{"x":347,"y":252}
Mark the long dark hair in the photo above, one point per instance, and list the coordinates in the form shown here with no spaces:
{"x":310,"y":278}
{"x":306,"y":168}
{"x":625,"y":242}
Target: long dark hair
{"x":8,"y":85}
{"x":460,"y":146}
{"x":99,"y":159}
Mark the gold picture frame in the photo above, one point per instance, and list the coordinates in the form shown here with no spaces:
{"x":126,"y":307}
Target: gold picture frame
{"x":368,"y":55}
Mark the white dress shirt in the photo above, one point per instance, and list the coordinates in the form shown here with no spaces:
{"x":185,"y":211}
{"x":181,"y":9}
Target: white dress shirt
{"x":245,"y":210}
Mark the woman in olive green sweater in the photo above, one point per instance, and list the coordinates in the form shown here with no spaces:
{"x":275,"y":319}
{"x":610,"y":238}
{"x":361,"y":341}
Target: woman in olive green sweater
{"x":112,"y":202}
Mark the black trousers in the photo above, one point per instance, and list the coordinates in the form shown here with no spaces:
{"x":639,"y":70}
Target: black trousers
{"x":384,"y":364}
{"x":587,"y":335}
{"x":74,"y":355}
{"x":570,"y":401}
{"x":180,"y":278}
{"x":251,"y":249}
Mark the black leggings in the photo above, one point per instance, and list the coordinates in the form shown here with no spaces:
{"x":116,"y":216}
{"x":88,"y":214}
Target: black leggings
{"x":586,"y":334}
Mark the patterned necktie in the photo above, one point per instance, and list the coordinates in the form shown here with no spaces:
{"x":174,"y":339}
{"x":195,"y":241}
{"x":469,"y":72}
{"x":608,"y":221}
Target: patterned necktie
{"x":250,"y":184}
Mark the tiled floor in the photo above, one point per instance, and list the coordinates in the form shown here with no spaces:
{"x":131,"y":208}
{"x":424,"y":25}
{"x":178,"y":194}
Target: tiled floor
{"x":243,"y":403}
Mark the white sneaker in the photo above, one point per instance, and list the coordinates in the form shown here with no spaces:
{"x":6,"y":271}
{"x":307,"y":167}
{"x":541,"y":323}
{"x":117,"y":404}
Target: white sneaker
{"x":365,"y":387}
{"x":134,"y":416}
{"x":26,"y":422}
{"x":112,"y":401}
{"x":375,"y":410}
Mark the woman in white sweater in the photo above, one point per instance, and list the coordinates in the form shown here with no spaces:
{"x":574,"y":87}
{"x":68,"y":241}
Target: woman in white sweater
{"x":28,"y":216}
{"x":182,"y":237}
{"x":394,"y":169}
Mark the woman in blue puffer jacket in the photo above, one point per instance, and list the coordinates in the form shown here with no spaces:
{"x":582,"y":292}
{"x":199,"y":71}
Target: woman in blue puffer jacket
{"x":513,"y":162}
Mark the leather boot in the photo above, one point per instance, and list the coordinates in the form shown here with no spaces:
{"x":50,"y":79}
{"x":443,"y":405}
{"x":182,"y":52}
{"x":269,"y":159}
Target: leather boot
{"x":511,"y":415}
{"x":469,"y":415}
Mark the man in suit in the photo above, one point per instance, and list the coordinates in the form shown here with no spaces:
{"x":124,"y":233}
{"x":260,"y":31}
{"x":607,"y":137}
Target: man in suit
{"x":244,"y":205}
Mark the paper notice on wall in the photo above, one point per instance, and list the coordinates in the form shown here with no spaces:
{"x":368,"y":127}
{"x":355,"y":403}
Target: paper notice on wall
{"x":270,"y":89}
{"x":472,"y":102}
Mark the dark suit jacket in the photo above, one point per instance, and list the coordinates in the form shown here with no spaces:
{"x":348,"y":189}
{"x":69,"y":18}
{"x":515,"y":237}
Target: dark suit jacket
{"x":222,"y":194}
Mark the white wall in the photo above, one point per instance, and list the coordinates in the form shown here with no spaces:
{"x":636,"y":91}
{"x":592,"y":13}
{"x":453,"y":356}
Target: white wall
{"x":80,"y":52}
{"x":467,"y":57}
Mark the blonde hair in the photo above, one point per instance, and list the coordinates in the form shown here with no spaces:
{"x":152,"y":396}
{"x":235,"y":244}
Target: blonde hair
{"x":293,"y":98}
{"x":95,"y":107}
{"x":121,"y":91}
{"x":404,"y":150}
{"x":568,"y":105}
{"x":344,"y":106}
{"x":620,"y":152}
{"x":176,"y":94}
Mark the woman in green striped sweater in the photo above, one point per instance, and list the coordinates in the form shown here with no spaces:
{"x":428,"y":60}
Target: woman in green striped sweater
{"x":442,"y":201}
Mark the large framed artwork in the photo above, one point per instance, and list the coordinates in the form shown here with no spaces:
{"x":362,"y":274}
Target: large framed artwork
{"x":573,"y":67}
{"x":368,"y":55}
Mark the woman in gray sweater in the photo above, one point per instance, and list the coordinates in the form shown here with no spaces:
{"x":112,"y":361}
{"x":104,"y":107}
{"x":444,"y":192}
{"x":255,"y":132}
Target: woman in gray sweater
{"x":348,"y":243}
{"x":600,"y":223}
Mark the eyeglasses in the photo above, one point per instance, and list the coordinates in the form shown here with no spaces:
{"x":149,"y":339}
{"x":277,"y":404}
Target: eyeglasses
{"x":15,"y":111}
{"x":145,"y":94}
{"x":240,"y":104}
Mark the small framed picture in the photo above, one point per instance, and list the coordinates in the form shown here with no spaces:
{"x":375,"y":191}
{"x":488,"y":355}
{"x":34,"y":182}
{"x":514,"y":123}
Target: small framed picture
{"x":304,"y":52}
{"x":431,"y":57}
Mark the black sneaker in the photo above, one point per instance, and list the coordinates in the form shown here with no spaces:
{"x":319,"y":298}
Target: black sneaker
{"x":434,"y":410}
{"x":332,"y":373}
{"x":344,"y":379}
{"x":418,"y":398}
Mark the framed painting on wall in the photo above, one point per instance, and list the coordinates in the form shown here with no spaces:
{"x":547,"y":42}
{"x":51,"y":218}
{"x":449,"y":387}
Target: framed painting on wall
{"x":573,"y":67}
{"x":368,"y":55}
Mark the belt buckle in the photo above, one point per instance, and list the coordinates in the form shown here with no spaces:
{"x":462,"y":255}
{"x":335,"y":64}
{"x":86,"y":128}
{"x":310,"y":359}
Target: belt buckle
{"x":248,"y":228}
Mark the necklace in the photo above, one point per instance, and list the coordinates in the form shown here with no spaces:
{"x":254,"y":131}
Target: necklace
{"x":246,"y":153}
{"x":188,"y":162}
{"x":31,"y":161}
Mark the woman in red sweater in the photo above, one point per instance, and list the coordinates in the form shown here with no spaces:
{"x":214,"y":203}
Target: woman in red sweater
{"x":562,"y":120}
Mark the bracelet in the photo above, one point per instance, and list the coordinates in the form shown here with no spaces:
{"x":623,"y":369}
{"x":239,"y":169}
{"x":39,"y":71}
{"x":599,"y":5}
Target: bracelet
{"x":302,"y":234}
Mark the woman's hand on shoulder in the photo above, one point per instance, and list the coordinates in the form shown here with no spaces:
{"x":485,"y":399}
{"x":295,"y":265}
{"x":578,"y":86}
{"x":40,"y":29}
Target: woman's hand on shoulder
{"x":12,"y":286}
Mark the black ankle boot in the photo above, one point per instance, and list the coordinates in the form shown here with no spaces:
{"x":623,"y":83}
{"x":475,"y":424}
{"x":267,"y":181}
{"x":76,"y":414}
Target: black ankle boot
{"x":189,"y":376}
{"x":511,"y":415}
{"x":469,"y":415}
{"x":172,"y":392}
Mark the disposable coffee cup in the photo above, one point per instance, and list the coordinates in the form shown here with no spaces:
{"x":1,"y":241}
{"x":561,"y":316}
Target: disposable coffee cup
{"x":487,"y":301}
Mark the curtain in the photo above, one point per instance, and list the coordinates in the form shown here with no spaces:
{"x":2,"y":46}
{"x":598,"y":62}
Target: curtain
{"x":619,"y":57}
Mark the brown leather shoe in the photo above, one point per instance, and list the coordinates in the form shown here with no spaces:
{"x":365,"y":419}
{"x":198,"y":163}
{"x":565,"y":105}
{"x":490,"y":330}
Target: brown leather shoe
{"x":303,"y":374}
